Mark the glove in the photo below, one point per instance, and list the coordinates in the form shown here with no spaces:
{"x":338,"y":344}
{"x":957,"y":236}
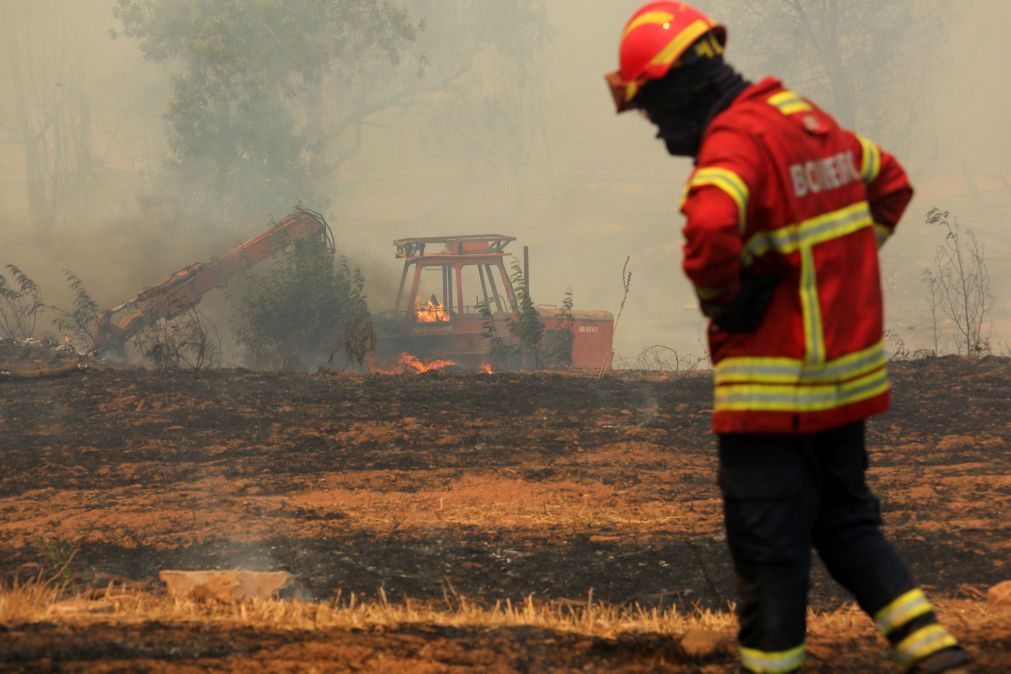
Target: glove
{"x":744,"y":313}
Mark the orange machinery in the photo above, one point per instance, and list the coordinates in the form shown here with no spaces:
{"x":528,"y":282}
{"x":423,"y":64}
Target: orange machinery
{"x":445,"y":282}
{"x":184,"y":289}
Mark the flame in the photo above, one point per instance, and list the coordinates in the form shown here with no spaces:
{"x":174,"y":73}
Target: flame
{"x":408,"y":363}
{"x":430,"y":312}
{"x":487,"y":368}
{"x":415,"y":364}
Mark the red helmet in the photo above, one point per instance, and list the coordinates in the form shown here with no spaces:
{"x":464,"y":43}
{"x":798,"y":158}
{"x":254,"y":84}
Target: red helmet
{"x":653,"y":41}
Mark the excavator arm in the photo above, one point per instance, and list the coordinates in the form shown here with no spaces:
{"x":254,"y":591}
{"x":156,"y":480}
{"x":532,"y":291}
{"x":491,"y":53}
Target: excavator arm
{"x":185,"y":288}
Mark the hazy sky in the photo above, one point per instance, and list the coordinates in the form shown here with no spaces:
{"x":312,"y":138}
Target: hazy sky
{"x":597,"y":188}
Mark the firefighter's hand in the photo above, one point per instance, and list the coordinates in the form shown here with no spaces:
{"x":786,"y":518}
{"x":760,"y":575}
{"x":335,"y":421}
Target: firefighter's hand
{"x":744,"y":313}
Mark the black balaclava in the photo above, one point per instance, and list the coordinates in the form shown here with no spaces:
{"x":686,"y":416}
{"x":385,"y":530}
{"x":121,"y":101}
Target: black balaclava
{"x":684,"y":102}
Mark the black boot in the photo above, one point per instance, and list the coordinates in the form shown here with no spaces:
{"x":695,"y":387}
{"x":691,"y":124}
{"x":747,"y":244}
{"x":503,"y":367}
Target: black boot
{"x":951,"y":660}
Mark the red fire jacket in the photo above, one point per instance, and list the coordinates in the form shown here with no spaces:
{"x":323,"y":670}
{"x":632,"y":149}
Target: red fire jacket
{"x":779,"y":188}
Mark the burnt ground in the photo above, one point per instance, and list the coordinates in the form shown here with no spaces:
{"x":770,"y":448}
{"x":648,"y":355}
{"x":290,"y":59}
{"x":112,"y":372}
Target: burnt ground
{"x":492,"y":487}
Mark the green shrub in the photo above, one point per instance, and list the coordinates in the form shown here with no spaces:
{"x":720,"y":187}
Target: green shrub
{"x":558,"y":341}
{"x":20,"y":304}
{"x":305,"y":312}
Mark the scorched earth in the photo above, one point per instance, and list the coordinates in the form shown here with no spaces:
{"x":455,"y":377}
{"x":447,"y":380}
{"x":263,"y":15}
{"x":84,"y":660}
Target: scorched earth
{"x":449,"y":522}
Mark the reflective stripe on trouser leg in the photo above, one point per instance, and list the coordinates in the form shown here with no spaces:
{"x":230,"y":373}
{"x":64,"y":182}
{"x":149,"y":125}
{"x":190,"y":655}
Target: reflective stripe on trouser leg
{"x":900,"y":611}
{"x":772,"y":661}
{"x":923,"y":642}
{"x":910,"y":625}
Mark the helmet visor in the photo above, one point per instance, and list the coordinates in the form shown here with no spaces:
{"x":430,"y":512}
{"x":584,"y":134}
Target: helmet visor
{"x":622,"y":92}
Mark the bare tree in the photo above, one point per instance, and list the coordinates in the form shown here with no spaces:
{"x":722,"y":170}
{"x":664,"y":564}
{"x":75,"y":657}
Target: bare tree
{"x":626,"y":283}
{"x":962,"y":283}
{"x":858,"y":58}
{"x":319,"y":71}
{"x":184,"y":342}
{"x":43,"y":109}
{"x":934,"y":302}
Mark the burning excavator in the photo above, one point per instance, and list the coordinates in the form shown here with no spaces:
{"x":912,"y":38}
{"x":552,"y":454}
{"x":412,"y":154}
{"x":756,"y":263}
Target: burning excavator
{"x":430,"y":320}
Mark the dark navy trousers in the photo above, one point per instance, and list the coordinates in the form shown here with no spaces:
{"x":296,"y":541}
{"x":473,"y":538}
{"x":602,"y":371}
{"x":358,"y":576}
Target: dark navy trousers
{"x":785,"y":495}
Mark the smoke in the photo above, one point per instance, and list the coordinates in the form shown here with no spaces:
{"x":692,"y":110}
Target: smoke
{"x":580,"y":186}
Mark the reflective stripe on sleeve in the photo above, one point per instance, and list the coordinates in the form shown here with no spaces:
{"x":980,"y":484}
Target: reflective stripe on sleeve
{"x":816,"y":230}
{"x":923,"y":642}
{"x":772,"y":661}
{"x":786,"y":398}
{"x":881,"y":233}
{"x":900,"y":611}
{"x":729,"y":182}
{"x":870,"y":164}
{"x":768,"y":370}
{"x":788,"y":103}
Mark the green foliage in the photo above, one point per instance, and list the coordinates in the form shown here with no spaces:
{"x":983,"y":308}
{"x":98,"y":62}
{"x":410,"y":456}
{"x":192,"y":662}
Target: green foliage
{"x":55,"y":558}
{"x":525,"y":346}
{"x":270,"y":97}
{"x":526,"y":326}
{"x":20,"y":304}
{"x":304,"y":312}
{"x":78,"y":323}
{"x":558,"y":342}
{"x":501,"y":354}
{"x":246,"y":112}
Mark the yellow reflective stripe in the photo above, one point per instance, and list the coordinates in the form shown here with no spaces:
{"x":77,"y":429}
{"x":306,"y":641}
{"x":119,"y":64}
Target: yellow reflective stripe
{"x":768,"y":370}
{"x":788,"y":103}
{"x":832,"y":225}
{"x":923,"y":642}
{"x":647,"y":18}
{"x":681,"y":41}
{"x":803,"y":237}
{"x":631,"y":89}
{"x":729,"y":182}
{"x":814,"y":398}
{"x":881,"y":233}
{"x":900,"y":611}
{"x":814,"y":334}
{"x":870,"y":163}
{"x":772,"y":661}
{"x":708,"y":47}
{"x":799,"y":106}
{"x":708,"y":293}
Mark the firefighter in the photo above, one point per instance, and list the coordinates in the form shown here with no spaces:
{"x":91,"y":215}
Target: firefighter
{"x":785,"y":211}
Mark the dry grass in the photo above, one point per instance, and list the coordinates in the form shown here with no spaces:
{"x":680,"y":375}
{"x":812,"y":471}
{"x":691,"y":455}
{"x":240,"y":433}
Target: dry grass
{"x":34,"y":601}
{"x":27,"y":600}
